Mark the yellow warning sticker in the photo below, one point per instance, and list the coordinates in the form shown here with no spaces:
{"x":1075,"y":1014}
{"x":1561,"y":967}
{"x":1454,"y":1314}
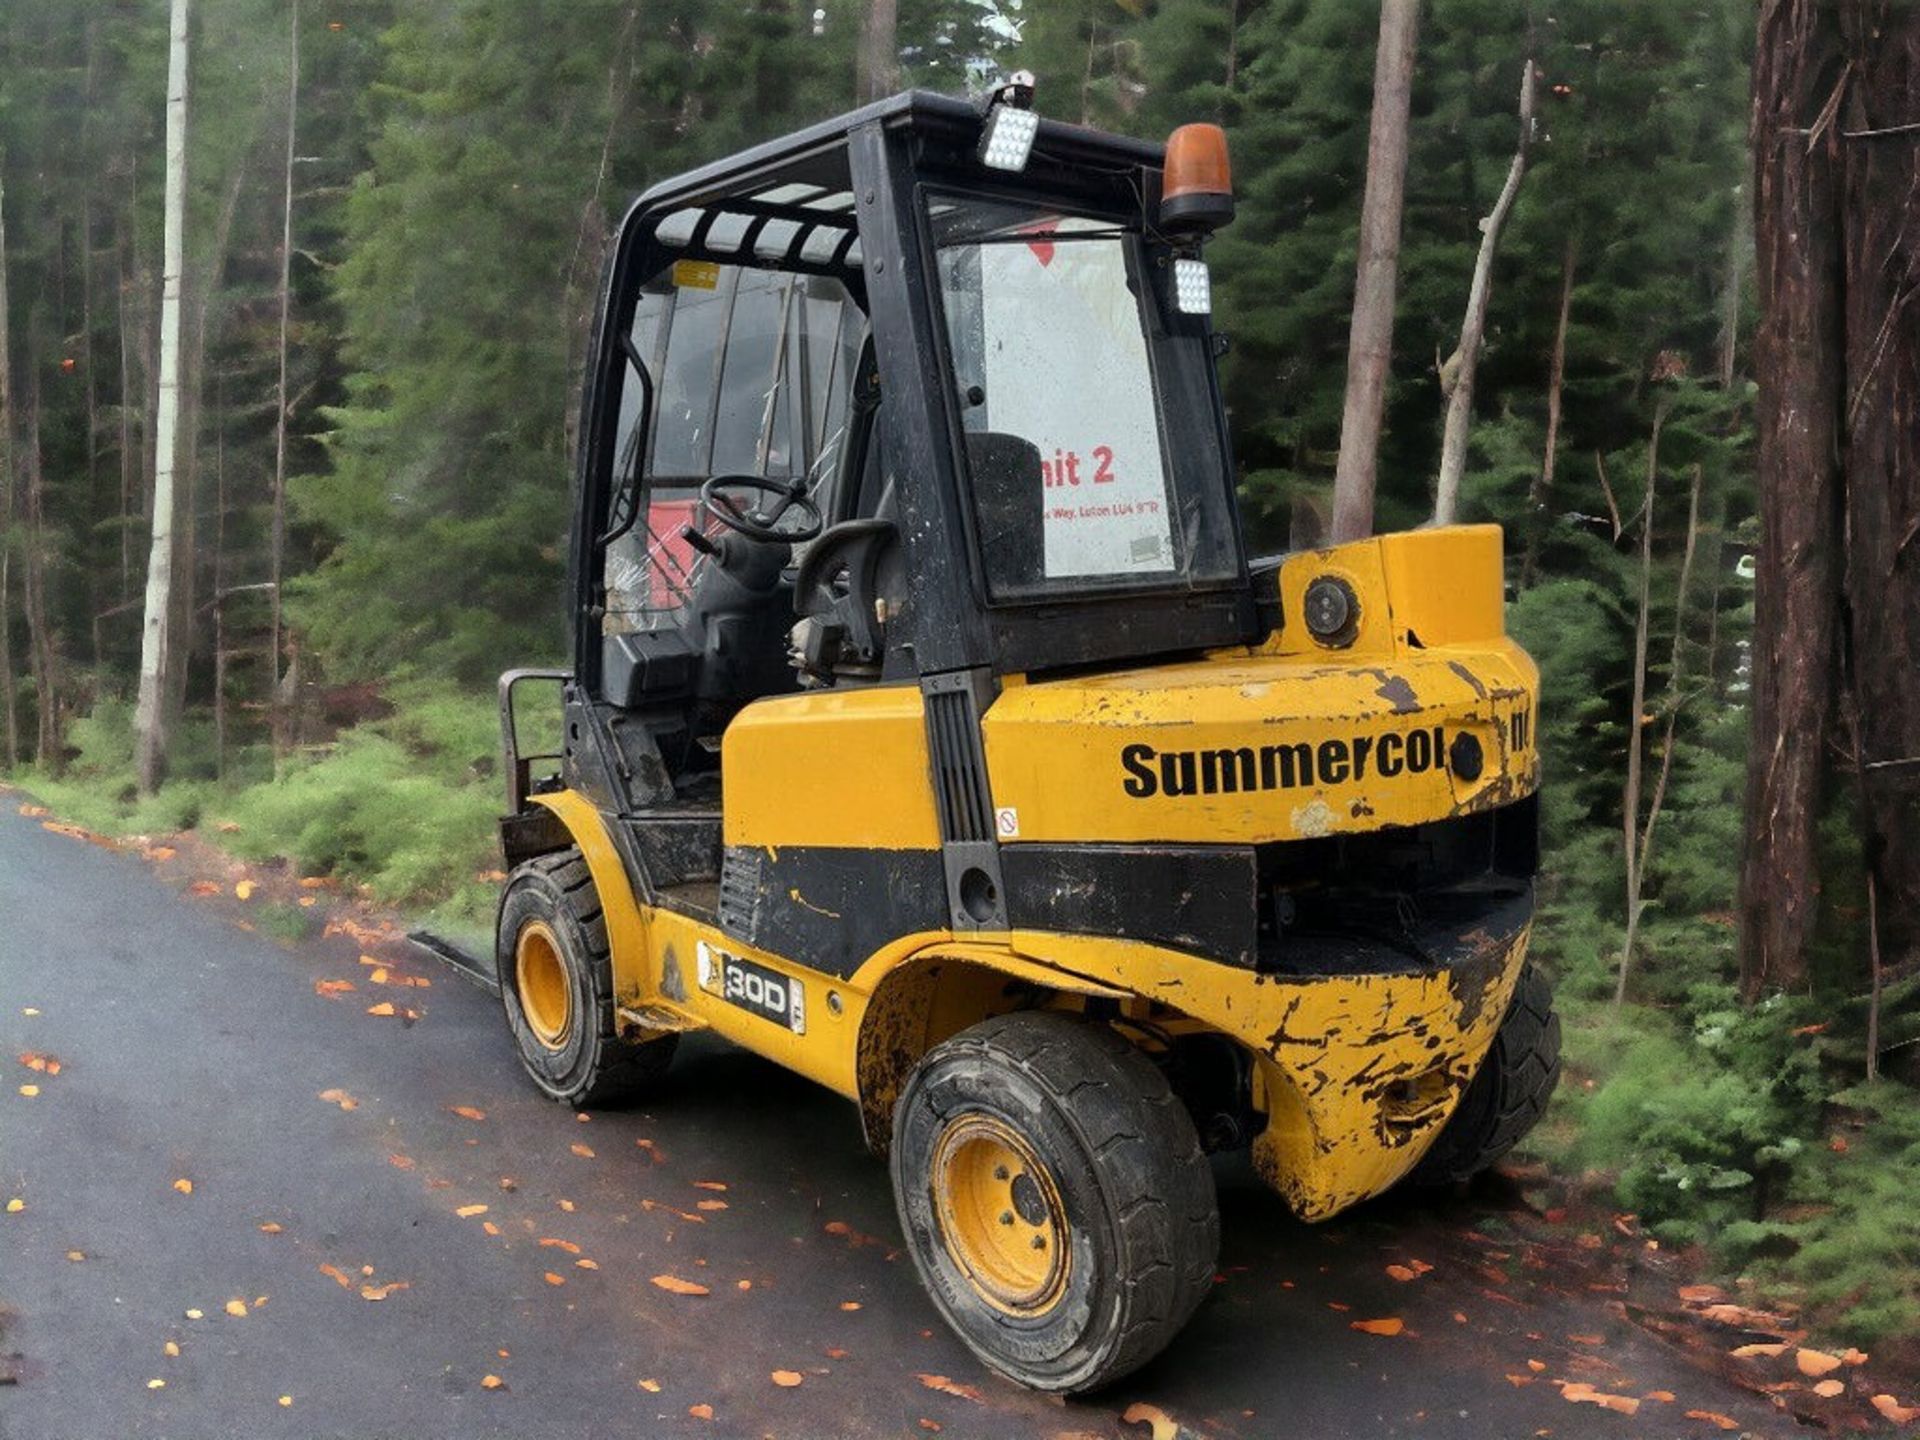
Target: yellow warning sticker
{"x":696,"y":274}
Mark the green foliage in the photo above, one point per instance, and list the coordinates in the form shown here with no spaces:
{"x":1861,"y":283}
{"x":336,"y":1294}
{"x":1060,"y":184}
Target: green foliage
{"x":404,"y":805}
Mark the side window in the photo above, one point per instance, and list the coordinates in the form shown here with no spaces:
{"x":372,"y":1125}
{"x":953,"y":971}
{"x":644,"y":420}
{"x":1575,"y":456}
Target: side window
{"x":752,"y":371}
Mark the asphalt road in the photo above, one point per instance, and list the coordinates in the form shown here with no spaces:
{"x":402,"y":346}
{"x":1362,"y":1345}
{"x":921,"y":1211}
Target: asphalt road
{"x":190,"y":1050}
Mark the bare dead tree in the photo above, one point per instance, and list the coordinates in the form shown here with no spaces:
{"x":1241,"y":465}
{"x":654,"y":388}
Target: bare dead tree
{"x":1541,"y":491}
{"x":1370,"y":340}
{"x":277,"y":539}
{"x":9,"y":699}
{"x":1457,"y":373}
{"x":1637,"y":722}
{"x":878,"y":68}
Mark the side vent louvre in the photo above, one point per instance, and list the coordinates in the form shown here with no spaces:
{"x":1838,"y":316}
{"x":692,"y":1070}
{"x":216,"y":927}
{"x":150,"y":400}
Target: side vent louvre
{"x":959,"y":767}
{"x":740,"y":893}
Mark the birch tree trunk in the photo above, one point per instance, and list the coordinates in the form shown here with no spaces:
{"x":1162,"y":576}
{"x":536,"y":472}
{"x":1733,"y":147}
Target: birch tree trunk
{"x":1370,"y":341}
{"x":1457,"y":374}
{"x":157,"y":655}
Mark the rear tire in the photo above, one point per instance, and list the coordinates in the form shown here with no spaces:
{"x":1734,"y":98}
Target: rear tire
{"x":1055,"y":1198}
{"x":556,"y":982}
{"x":1509,"y":1095}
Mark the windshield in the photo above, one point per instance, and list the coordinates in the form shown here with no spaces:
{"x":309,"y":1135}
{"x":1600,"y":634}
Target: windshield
{"x":1081,"y":478}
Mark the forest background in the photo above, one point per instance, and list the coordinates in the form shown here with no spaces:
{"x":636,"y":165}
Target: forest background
{"x":447,"y":171}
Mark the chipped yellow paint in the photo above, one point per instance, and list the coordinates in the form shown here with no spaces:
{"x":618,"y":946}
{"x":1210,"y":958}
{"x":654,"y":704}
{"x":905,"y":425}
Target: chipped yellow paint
{"x":1359,"y":1071}
{"x":1290,"y":740}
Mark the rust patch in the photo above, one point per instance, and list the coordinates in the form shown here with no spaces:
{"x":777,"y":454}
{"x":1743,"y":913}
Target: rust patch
{"x":1475,"y":974}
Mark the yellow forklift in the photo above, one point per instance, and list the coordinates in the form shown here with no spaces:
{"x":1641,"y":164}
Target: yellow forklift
{"x":930,"y":732}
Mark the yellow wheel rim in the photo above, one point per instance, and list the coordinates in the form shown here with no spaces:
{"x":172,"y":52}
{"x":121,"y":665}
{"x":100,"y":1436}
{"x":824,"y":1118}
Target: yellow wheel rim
{"x":1000,"y":1215}
{"x":540,"y":977}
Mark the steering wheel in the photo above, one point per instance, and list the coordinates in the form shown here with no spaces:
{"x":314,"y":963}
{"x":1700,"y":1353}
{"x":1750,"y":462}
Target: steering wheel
{"x":747,"y":514}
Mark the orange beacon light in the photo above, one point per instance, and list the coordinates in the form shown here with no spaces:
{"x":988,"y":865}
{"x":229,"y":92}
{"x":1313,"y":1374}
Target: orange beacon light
{"x":1196,"y":188}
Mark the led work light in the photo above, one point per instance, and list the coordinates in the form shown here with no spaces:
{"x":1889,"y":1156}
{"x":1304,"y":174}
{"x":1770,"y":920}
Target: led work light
{"x":1007,"y":138}
{"x":1192,"y":287}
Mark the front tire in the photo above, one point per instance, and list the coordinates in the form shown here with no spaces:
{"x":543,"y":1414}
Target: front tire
{"x":1055,"y":1198}
{"x":1509,"y":1094}
{"x":556,"y":982}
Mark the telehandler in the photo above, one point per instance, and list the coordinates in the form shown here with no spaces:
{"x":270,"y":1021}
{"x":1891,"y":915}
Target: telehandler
{"x":929,"y":732}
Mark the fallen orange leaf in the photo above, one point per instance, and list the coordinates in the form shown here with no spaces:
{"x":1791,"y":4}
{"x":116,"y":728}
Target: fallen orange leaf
{"x":566,"y":1245}
{"x":710,"y":1205}
{"x":1854,"y":1357}
{"x":400,"y":1162}
{"x":306,"y":903}
{"x":1893,"y":1410}
{"x":1701,"y":1294}
{"x":385,"y":1007}
{"x":950,"y":1387}
{"x":1579,"y":1392}
{"x":340,"y":1098}
{"x":1403,"y":1273}
{"x":1518,"y":1380}
{"x":1827,"y":1389}
{"x":33,"y":812}
{"x":1586,"y":1339}
{"x":203,"y":887}
{"x":1744,"y":1352}
{"x":700,"y":1412}
{"x":237,"y":1309}
{"x":467,"y":1112}
{"x":272,"y":1227}
{"x":652,"y":1387}
{"x":172,"y":1349}
{"x":29,"y":1091}
{"x":76,"y":1256}
{"x":1816,"y":1362}
{"x":1163,"y":1427}
{"x":1665,"y":1397}
{"x":327,"y":989}
{"x":1391,"y":1325}
{"x":467,"y":1212}
{"x":492,"y":1382}
{"x":338,"y":1274}
{"x":930,"y":1425}
{"x":849,"y":1304}
{"x":709,"y":1185}
{"x":787,"y":1379}
{"x":586,"y":1264}
{"x":585,"y":1152}
{"x":674,"y":1285}
{"x":286,"y":1399}
{"x":1536,"y":1366}
{"x":380,"y":1292}
{"x":244,"y":890}
{"x":1714,"y":1417}
{"x":184,"y":1186}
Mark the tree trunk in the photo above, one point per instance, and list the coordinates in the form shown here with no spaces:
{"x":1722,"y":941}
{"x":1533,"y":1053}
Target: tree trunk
{"x":1541,"y":498}
{"x":1798,"y":67}
{"x":130,"y":472}
{"x":277,"y":537}
{"x":1637,"y":720}
{"x":9,"y":699}
{"x":1879,"y":262}
{"x":878,"y":69}
{"x":158,"y":657}
{"x":1370,"y":341}
{"x":46,"y":680}
{"x":1457,"y":374}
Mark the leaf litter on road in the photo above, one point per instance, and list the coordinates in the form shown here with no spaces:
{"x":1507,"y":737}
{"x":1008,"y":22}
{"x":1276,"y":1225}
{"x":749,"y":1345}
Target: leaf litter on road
{"x":674,"y":1285}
